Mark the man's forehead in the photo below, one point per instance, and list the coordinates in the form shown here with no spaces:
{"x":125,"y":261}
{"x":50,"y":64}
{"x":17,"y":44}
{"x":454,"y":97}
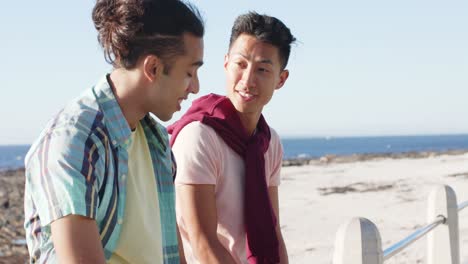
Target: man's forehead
{"x":252,"y":49}
{"x":259,"y":58}
{"x":193,"y":50}
{"x":253,"y":57}
{"x":191,"y":59}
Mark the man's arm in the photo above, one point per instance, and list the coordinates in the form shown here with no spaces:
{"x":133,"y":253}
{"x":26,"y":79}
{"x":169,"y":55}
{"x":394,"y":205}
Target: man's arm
{"x":198,"y":207}
{"x":273,"y":192}
{"x":76,"y":240}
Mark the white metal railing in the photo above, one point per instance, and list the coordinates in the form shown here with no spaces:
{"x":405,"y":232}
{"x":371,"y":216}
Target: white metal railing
{"x":399,"y":246}
{"x":358,"y":241}
{"x":462,"y":205}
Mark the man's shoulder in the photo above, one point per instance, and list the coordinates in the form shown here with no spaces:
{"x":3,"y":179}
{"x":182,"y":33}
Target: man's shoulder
{"x":197,"y":135}
{"x":275,"y":138}
{"x":198,"y":130}
{"x":82,"y":115}
{"x":88,"y":111}
{"x":73,"y":125}
{"x":275,"y":142}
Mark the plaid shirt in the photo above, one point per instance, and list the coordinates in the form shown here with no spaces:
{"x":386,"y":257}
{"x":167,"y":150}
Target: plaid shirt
{"x":79,"y":166}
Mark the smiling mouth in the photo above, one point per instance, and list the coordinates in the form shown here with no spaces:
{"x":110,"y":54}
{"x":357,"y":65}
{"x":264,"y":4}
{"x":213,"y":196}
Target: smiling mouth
{"x":179,"y":102}
{"x":245,"y":95}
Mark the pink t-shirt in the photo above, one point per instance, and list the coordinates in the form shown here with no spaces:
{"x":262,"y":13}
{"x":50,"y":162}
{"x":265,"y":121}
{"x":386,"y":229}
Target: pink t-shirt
{"x":203,"y":158}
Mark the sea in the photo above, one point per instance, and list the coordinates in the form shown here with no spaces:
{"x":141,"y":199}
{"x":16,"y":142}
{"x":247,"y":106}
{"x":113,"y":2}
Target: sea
{"x":12,"y":156}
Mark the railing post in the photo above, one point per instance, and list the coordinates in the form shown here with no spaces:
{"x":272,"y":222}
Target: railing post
{"x":358,"y":242}
{"x":443,"y":242}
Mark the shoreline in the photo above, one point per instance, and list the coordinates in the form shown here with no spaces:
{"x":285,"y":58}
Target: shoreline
{"x":332,"y":159}
{"x":329,"y":159}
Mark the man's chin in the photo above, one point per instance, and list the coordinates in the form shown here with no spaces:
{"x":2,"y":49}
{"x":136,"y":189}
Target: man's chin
{"x":164,"y":117}
{"x":239,"y":107}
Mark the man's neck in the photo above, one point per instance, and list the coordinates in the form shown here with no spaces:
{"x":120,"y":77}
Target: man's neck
{"x":249,"y":122}
{"x":125,"y":86}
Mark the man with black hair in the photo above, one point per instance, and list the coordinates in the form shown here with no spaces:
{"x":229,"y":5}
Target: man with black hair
{"x":229,"y":159}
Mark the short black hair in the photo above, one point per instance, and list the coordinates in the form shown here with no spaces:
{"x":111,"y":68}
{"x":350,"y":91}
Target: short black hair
{"x":267,"y":29}
{"x":129,"y":29}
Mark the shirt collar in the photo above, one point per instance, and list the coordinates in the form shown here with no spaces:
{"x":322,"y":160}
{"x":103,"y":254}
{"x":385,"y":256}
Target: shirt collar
{"x":117,"y":125}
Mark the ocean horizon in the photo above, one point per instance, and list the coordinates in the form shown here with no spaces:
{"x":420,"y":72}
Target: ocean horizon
{"x":316,"y":147}
{"x":12,"y":156}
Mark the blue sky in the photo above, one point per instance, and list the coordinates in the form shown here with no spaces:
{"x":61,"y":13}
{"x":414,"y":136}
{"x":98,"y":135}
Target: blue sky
{"x":359,"y":68}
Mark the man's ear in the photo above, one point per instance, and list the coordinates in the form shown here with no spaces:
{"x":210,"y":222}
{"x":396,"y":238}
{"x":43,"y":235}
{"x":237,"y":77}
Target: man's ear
{"x":226,"y":61}
{"x":283,"y":77}
{"x":152,"y":66}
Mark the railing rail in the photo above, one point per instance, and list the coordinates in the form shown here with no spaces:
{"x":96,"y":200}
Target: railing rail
{"x":462,"y":206}
{"x":443,"y":243}
{"x":404,"y":243}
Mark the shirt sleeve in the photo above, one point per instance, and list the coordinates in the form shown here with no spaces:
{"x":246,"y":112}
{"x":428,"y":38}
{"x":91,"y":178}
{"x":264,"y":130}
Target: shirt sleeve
{"x":62,"y":176}
{"x":196,"y":153}
{"x":276,"y":156}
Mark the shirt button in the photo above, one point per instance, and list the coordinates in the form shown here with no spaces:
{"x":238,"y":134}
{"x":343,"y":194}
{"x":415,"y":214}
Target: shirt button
{"x":124,"y":176}
{"x":114,"y":142}
{"x":120,"y":221}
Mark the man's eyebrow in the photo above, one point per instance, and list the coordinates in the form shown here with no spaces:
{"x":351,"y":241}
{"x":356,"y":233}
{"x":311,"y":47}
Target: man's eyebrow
{"x":267,"y":61}
{"x":197,"y":63}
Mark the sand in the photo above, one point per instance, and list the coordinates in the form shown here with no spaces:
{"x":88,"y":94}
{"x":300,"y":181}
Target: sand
{"x":316,"y":199}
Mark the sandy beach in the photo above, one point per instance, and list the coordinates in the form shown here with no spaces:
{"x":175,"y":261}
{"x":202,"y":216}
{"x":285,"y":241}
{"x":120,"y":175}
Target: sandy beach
{"x":316,"y":198}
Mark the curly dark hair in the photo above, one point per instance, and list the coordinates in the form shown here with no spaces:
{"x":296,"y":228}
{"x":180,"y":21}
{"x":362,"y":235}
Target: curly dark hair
{"x":267,"y":29}
{"x":129,"y":29}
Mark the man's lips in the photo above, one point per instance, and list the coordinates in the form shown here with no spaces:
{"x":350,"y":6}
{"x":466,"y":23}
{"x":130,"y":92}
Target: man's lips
{"x":179,"y":102}
{"x":246,"y":96}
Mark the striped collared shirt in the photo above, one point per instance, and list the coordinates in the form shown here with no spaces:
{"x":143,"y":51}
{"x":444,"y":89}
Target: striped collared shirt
{"x":79,"y":165}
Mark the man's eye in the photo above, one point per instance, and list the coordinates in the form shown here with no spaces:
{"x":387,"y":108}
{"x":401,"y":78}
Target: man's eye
{"x":189,"y":74}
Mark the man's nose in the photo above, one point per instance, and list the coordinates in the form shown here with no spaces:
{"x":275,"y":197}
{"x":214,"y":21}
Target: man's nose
{"x":248,"y":77}
{"x":194,"y":85}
